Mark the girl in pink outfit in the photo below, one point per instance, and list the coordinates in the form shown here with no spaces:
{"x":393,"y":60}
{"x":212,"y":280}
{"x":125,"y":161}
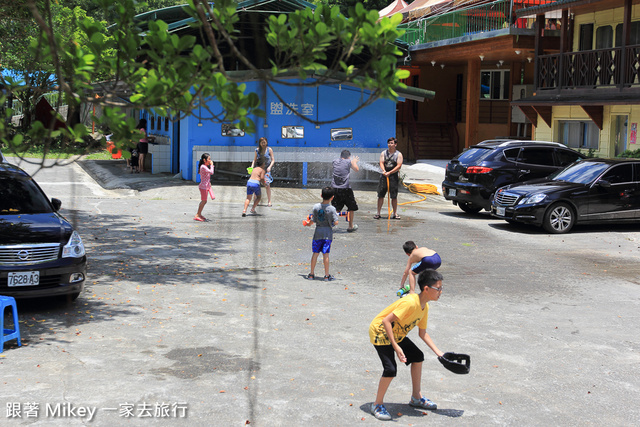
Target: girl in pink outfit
{"x":205,"y":168}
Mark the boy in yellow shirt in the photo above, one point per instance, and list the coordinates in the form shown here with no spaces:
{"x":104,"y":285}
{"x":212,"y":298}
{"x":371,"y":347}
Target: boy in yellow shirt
{"x":388,"y":333}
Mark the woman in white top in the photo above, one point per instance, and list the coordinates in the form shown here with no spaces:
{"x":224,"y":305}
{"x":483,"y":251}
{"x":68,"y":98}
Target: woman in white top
{"x":265,"y":151}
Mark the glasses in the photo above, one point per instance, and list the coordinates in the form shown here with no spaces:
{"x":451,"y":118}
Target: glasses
{"x":435,"y":289}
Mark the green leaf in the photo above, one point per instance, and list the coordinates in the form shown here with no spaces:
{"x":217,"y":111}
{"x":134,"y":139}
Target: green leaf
{"x":17,"y":140}
{"x":402,"y":74}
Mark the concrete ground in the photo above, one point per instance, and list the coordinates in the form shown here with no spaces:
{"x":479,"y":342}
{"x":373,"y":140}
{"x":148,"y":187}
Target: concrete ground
{"x":215,"y":319}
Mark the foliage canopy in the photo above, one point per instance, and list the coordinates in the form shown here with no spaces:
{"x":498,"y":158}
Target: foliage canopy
{"x":71,"y":48}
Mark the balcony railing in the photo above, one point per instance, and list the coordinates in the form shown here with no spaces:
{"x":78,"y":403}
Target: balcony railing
{"x":590,"y":69}
{"x":465,"y":21}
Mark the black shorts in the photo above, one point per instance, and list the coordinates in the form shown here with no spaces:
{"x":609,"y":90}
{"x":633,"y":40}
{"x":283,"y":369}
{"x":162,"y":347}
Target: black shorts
{"x":342,"y":197}
{"x":393,"y":186}
{"x":388,"y":356}
{"x":143,"y":147}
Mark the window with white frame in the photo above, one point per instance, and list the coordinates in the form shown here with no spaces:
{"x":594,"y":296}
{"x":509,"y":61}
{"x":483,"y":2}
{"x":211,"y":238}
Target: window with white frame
{"x":579,"y":134}
{"x":494,"y":84}
{"x":295,"y":132}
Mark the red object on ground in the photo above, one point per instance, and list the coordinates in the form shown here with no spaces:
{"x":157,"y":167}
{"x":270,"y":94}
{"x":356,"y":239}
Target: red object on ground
{"x":110,"y":147}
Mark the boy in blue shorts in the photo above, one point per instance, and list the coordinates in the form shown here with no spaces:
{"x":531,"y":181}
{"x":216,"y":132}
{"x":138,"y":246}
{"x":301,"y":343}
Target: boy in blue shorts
{"x":253,"y":186}
{"x":388,"y":334}
{"x":325,"y":217}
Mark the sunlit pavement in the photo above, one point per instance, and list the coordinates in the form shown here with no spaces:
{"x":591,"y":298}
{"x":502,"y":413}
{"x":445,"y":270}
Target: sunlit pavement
{"x":215,"y":320}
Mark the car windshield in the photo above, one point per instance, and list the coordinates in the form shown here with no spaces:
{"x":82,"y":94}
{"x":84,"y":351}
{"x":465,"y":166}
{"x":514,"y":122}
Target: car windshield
{"x":580,"y":172}
{"x":20,"y":195}
{"x":474,"y":155}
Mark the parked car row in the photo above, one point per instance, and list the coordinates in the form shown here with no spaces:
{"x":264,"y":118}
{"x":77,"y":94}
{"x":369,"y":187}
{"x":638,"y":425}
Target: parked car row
{"x":473,"y":176}
{"x":41,"y":255}
{"x":543,"y":183}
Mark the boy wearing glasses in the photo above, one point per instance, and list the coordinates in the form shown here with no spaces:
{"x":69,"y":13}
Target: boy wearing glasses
{"x":388,"y":333}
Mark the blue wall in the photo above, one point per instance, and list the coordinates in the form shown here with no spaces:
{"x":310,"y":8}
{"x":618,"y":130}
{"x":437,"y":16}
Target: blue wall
{"x":371,"y":126}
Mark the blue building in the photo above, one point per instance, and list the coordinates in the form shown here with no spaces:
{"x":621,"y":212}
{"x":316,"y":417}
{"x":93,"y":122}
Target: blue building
{"x":303,"y":150}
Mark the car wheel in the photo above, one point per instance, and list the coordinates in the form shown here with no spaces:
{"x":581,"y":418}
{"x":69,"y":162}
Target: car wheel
{"x":559,"y":219}
{"x":469,"y":208}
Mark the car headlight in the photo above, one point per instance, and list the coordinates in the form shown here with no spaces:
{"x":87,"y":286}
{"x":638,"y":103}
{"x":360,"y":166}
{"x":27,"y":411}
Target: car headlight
{"x":536,"y":198}
{"x":74,"y":247}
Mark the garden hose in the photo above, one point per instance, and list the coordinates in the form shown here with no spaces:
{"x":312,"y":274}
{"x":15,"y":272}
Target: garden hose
{"x":421,"y":190}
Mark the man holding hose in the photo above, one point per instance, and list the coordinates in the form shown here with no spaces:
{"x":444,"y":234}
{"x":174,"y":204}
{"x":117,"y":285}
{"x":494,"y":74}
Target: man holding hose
{"x":390,"y":164}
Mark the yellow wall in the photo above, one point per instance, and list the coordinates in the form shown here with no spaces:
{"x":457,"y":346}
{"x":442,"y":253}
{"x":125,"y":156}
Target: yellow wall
{"x":606,"y":146}
{"x":605,"y":17}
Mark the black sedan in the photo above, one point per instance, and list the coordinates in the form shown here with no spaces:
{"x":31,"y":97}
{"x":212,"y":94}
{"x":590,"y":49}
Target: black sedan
{"x":41,"y":255}
{"x":588,"y":191}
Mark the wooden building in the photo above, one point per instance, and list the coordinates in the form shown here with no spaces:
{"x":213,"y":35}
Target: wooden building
{"x":587,"y":90}
{"x":478,"y":56}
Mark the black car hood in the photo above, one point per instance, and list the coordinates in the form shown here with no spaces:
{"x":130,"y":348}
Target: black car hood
{"x":541,"y":186}
{"x":34,"y":228}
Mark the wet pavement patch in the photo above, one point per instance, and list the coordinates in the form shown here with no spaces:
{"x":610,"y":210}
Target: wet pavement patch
{"x":193,"y":362}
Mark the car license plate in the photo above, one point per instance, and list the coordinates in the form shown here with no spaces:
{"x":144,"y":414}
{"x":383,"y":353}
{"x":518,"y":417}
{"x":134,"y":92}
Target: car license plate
{"x":452,"y":192}
{"x":499,"y":211}
{"x":26,"y":278}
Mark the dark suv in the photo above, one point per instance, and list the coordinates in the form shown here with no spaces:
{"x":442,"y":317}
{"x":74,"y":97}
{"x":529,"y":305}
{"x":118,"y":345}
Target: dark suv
{"x":41,"y":255}
{"x":473,"y":176}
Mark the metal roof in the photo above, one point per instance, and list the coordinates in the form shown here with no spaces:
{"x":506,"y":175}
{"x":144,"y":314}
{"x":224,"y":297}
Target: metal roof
{"x":413,"y":93}
{"x":177,"y":18}
{"x":539,"y":9}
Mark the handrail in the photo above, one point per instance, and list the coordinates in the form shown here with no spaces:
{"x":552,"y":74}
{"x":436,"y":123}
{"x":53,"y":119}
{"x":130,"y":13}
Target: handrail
{"x":466,"y":19}
{"x":590,"y":69}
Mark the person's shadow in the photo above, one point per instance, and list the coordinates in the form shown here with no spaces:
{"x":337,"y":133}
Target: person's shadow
{"x":399,"y":410}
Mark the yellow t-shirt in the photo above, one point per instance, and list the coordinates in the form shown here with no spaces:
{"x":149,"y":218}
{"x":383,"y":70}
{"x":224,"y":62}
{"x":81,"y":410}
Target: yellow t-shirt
{"x":409,"y":313}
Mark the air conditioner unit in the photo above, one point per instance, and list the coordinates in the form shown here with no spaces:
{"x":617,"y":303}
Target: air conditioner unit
{"x":520,"y":92}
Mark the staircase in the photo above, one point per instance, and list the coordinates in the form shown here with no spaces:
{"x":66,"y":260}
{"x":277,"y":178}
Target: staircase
{"x":434,"y":141}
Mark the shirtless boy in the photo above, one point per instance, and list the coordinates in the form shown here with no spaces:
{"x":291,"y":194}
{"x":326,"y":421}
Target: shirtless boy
{"x":253,"y":186}
{"x":423,"y":258}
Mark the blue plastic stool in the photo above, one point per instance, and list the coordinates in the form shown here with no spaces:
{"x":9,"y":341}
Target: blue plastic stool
{"x":9,"y":334}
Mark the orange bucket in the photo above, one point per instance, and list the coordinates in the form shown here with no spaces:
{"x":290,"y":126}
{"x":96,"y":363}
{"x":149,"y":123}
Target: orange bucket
{"x":110,"y":148}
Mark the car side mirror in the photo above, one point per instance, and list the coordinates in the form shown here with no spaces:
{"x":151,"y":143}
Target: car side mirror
{"x":604,"y":183}
{"x":56,"y":204}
